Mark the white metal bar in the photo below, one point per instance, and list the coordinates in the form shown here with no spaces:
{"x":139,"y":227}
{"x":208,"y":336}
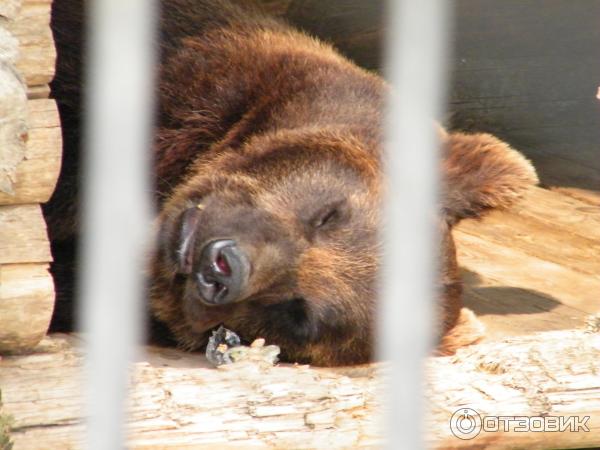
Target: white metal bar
{"x":116,"y":205}
{"x":416,"y":55}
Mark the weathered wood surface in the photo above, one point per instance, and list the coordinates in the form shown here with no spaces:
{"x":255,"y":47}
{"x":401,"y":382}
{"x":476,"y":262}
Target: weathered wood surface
{"x":584,"y":195}
{"x":38,"y":92}
{"x":177,"y":401}
{"x":36,"y":174}
{"x":9,"y":9}
{"x":37,"y":55}
{"x":26,"y":305}
{"x":9,"y":45}
{"x":535,"y":267}
{"x":27,"y":57}
{"x":546,"y":374}
{"x":30,"y":157}
{"x":23,"y":237}
{"x":13,"y":111}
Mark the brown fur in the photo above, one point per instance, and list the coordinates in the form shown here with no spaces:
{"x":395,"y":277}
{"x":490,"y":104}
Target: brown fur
{"x":468,"y":330}
{"x":262,"y":132}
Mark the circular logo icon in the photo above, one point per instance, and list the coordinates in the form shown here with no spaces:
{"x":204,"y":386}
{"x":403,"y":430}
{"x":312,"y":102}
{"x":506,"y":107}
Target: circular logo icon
{"x":465,"y":423}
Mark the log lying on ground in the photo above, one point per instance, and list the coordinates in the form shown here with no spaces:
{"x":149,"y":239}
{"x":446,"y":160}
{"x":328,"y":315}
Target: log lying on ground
{"x":551,"y":374}
{"x":176,"y":401}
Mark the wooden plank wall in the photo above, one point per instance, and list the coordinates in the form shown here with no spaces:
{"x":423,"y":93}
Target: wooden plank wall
{"x":528,"y":71}
{"x":525,"y":70}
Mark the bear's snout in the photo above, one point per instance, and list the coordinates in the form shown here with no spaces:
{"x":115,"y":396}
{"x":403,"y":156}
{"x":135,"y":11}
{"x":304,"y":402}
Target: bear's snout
{"x":227,"y":250}
{"x":222,"y":275}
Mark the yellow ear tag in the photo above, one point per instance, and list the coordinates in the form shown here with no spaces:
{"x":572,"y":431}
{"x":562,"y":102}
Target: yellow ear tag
{"x":200,"y":206}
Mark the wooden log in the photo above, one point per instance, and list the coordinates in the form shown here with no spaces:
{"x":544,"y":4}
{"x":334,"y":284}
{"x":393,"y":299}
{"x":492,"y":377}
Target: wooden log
{"x":26,"y":305}
{"x":23,"y":237}
{"x":552,"y":374}
{"x":13,"y":116}
{"x":9,"y":9}
{"x":9,"y":45}
{"x":37,"y":55}
{"x":36,"y":175}
{"x":37,"y":92}
{"x":177,"y":401}
{"x":30,"y":150}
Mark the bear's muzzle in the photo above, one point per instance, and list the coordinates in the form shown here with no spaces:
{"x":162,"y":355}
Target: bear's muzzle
{"x":223,"y":272}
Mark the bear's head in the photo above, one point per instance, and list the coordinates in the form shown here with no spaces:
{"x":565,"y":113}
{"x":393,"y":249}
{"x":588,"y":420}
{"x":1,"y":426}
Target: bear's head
{"x":280,"y":239}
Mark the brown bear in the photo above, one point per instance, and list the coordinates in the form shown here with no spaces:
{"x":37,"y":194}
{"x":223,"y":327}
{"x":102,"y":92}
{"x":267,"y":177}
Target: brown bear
{"x":268,"y":181}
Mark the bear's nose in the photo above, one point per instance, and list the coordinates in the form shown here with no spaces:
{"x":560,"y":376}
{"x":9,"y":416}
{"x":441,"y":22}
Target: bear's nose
{"x":223,"y":272}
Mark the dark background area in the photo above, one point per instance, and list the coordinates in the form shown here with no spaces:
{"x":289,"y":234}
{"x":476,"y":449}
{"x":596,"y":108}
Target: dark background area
{"x":525,"y":70}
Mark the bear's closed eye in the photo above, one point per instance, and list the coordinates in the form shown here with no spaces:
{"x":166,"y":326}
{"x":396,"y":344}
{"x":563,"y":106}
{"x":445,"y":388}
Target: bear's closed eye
{"x":330,"y":215}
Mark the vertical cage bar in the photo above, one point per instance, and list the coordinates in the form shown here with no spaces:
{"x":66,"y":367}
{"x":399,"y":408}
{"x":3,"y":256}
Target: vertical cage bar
{"x":116,"y":206}
{"x":415,"y":64}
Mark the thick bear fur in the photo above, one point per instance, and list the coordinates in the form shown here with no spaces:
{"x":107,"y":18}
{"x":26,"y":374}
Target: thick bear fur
{"x":270,"y":137}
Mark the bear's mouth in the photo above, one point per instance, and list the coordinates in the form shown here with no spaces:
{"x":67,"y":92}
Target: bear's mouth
{"x":209,"y":285}
{"x":222,"y":265}
{"x":211,"y":292}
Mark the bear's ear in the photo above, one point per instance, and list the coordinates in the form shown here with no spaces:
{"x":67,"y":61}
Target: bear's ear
{"x":480,"y":172}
